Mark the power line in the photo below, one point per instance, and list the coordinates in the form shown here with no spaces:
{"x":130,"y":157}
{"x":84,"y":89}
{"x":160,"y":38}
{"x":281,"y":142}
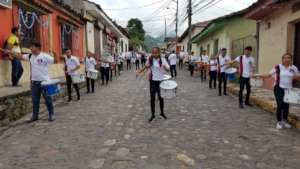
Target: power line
{"x":137,"y":7}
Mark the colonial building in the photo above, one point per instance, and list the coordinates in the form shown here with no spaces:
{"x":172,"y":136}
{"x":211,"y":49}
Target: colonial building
{"x":52,"y":23}
{"x":232,"y":31}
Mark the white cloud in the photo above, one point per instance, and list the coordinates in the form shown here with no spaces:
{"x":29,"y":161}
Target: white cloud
{"x":153,"y":12}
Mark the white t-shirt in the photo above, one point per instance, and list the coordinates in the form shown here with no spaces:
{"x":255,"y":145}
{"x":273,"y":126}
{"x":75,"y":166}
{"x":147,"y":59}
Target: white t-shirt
{"x":223,"y":61}
{"x":39,"y":66}
{"x":157,"y":70}
{"x":128,"y":55}
{"x":173,"y":59}
{"x":286,"y":76}
{"x":72,"y":63}
{"x":90,"y":63}
{"x":109,"y":59}
{"x":181,"y":55}
{"x":213,"y":64}
{"x":204,"y":58}
{"x":248,"y":65}
{"x":195,"y":58}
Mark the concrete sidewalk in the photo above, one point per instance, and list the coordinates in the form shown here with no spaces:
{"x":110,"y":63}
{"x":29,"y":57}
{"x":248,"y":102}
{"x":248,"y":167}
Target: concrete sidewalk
{"x":264,"y":99}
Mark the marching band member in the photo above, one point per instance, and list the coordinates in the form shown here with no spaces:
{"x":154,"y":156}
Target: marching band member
{"x":143,"y":59}
{"x":193,"y":59}
{"x":158,"y":66}
{"x":72,"y":65}
{"x":128,"y":57}
{"x":203,"y":69}
{"x":173,"y":61}
{"x":90,"y":64}
{"x":181,"y":58}
{"x":284,"y":75}
{"x":247,"y":68}
{"x":104,"y":69}
{"x":137,"y":61}
{"x":39,"y":62}
{"x":223,"y":61}
{"x":213,"y":70}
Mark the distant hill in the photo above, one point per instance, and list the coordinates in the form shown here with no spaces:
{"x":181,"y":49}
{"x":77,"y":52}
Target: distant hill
{"x":151,"y":42}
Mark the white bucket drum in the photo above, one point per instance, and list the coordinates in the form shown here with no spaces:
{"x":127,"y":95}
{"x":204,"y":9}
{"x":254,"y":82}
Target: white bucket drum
{"x":167,"y":77}
{"x":292,"y":96}
{"x":92,"y":74}
{"x":231,"y":73}
{"x":51,"y":87}
{"x":257,"y":82}
{"x":78,"y":78}
{"x":168,"y":89}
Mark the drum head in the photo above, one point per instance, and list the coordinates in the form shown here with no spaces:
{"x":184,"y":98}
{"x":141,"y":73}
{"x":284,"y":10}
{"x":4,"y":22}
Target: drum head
{"x":94,"y":71}
{"x":50,"y":82}
{"x":231,"y":70}
{"x":168,"y":84}
{"x":167,"y":77}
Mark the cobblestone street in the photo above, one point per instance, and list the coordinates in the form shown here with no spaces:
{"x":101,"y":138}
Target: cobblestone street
{"x":109,"y":130}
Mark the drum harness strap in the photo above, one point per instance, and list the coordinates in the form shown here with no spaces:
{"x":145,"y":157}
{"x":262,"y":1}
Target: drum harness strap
{"x":29,"y":57}
{"x":241,"y":66}
{"x":277,"y":68}
{"x":219,"y":66}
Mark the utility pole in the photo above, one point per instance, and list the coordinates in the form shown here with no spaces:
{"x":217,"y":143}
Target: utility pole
{"x":190,"y":26}
{"x":165,"y":28}
{"x":176,"y":29}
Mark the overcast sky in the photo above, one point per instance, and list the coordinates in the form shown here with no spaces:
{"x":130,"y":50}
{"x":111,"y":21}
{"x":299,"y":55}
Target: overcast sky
{"x":154,"y":12}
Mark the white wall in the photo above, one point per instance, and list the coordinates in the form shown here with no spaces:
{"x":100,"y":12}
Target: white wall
{"x":90,"y":37}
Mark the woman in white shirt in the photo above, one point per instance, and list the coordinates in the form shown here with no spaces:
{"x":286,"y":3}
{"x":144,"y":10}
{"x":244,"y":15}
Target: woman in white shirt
{"x":90,"y":64}
{"x":284,"y":75}
{"x":158,"y":67}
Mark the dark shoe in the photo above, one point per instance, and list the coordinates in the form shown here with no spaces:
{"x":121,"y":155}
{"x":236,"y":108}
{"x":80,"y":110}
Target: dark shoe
{"x":32,"y":120}
{"x":51,"y":119}
{"x":248,"y":104}
{"x":87,"y":92}
{"x":164,"y":116}
{"x":151,"y":118}
{"x":241,"y":106}
{"x":69,"y":100}
{"x":225,"y":94}
{"x":220,"y":94}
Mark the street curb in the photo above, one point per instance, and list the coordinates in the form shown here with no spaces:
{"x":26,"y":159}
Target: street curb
{"x":266,"y":106}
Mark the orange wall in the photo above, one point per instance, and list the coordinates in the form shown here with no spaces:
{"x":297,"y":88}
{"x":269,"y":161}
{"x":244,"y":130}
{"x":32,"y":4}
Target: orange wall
{"x":6,"y":24}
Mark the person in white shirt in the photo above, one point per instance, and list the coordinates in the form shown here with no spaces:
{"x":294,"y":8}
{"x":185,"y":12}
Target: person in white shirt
{"x":158,"y":67}
{"x":204,"y":62}
{"x":143,"y":59}
{"x":129,"y":55}
{"x":104,"y":69}
{"x":247,"y":68}
{"x":181,"y":58}
{"x":72,"y":65}
{"x":39,"y":63}
{"x":284,"y":75}
{"x":193,"y":60}
{"x":173,"y":61}
{"x":90,"y":65}
{"x":137,"y":61}
{"x":213,"y":69}
{"x":223,"y":60}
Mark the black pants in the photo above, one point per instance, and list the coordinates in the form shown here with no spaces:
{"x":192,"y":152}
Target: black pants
{"x":203,"y":73}
{"x":173,"y":70}
{"x":128,"y":61}
{"x":282,"y":107}
{"x":16,"y":71}
{"x":180,"y":63}
{"x":143,"y":61}
{"x":212,"y":79}
{"x":120,"y":65}
{"x":90,"y":84}
{"x":137,"y":65}
{"x":222,"y":79}
{"x":69,"y":87}
{"x":154,"y":88}
{"x":244,"y":82}
{"x":104,"y":74}
{"x":191,"y":68}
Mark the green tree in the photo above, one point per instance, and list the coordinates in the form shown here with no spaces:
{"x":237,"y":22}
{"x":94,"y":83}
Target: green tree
{"x":136,"y":32}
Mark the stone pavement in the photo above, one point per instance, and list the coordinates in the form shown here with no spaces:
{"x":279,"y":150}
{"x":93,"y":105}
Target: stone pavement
{"x":109,"y":130}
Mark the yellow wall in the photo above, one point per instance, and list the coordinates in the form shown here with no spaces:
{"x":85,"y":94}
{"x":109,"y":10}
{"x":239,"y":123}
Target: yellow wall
{"x":276,"y":37}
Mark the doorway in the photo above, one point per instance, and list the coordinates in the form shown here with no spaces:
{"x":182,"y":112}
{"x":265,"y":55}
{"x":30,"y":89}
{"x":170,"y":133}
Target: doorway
{"x":297,"y":46}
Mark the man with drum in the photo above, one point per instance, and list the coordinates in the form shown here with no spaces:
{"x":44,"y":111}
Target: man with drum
{"x":223,"y":60}
{"x":247,"y":68}
{"x":158,"y":67}
{"x":284,"y":75}
{"x":90,"y":64}
{"x":39,"y":63}
{"x":72,"y":65}
{"x":204,"y":63}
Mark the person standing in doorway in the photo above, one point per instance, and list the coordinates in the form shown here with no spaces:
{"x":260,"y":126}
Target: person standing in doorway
{"x":213,"y":69}
{"x":90,"y":65}
{"x":223,"y":60}
{"x":72,"y":65}
{"x":173,"y":61}
{"x":247,"y":68}
{"x":13,"y":44}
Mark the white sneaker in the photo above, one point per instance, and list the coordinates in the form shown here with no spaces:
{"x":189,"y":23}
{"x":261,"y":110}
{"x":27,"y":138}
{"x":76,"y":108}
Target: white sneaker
{"x":286,"y":125}
{"x":279,"y":126}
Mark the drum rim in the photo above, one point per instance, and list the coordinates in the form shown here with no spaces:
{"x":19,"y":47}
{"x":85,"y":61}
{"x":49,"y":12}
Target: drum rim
{"x":166,"y":81}
{"x":47,"y":83}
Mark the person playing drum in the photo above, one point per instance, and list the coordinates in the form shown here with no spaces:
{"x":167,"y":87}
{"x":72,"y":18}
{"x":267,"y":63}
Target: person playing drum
{"x":203,"y":65}
{"x":284,"y":75}
{"x":158,"y":67}
{"x":213,"y":71}
{"x":90,"y":64}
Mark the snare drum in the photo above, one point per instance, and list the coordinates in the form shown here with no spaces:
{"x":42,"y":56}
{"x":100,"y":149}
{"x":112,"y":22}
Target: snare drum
{"x":167,"y":77}
{"x":92,"y":74}
{"x":231,"y":73}
{"x":168,"y":89}
{"x":78,"y":78}
{"x":51,"y":87}
{"x":257,"y":82}
{"x":292,"y":96}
